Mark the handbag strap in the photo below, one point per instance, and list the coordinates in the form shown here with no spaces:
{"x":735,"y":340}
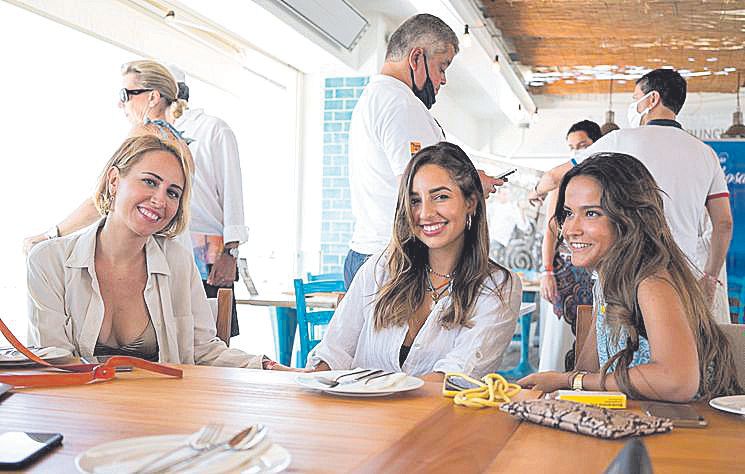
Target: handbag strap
{"x":75,"y":374}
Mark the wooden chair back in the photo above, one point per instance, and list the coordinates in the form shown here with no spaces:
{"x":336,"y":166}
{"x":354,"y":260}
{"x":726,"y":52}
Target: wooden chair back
{"x":735,"y":334}
{"x":585,"y":346}
{"x":583,"y":326}
{"x":222,"y":311}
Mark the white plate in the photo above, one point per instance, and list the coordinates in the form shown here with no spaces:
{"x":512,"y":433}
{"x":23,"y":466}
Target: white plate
{"x":13,"y":358}
{"x":129,"y":455}
{"x":355,"y":389}
{"x":732,"y":404}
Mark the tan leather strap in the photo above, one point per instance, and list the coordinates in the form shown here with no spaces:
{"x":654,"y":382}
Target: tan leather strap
{"x":75,"y":374}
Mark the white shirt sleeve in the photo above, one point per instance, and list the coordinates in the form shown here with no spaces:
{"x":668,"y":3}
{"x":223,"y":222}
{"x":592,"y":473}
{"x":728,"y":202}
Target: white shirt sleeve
{"x":398,"y":128}
{"x":478,"y":350}
{"x":230,"y":187}
{"x":48,"y":324}
{"x":718,"y":185}
{"x":339,"y":345}
{"x":605,"y":143}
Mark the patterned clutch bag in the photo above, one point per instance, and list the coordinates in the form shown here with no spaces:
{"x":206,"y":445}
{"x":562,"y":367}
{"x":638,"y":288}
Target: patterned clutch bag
{"x":587,"y":419}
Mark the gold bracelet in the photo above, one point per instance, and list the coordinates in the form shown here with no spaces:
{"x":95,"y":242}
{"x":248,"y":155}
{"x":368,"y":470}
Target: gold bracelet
{"x":577,"y":380}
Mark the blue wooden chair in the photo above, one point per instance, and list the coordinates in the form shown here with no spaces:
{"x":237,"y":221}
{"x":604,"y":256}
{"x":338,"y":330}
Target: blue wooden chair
{"x":325,"y":276}
{"x":309,"y":319}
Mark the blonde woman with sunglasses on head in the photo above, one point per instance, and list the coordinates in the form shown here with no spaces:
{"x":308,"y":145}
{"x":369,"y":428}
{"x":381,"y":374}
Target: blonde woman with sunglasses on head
{"x":122,"y":286}
{"x":149,"y":100}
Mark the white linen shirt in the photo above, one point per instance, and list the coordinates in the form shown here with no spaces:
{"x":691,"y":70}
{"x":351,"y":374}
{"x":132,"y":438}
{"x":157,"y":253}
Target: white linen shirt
{"x":217,"y":188}
{"x":66,"y":308}
{"x":352,"y":341}
{"x":387,"y":119}
{"x":685,"y":168}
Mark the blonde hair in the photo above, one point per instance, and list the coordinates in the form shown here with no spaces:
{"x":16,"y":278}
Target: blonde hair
{"x":153,"y":75}
{"x":129,"y":154}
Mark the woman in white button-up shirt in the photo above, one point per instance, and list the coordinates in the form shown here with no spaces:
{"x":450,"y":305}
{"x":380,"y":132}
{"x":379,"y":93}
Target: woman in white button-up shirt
{"x":123,"y":286}
{"x":433,"y":302}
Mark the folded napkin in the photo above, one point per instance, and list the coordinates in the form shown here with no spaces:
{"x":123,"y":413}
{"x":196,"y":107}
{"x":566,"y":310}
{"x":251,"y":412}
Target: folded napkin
{"x":381,"y":383}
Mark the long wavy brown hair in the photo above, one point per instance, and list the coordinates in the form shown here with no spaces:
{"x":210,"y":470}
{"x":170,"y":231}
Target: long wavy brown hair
{"x":645,"y":248}
{"x":407,"y":256}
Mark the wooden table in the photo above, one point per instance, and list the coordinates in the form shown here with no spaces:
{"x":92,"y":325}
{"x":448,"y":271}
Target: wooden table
{"x":419,"y":431}
{"x":285,"y":321}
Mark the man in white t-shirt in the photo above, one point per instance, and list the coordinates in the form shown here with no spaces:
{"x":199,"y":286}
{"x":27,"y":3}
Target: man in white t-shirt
{"x":685,"y":168}
{"x":390,"y":123}
{"x":217,"y":220}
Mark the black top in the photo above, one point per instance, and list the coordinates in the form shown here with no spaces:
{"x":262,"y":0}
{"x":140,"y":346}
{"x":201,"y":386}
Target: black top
{"x":403,"y":354}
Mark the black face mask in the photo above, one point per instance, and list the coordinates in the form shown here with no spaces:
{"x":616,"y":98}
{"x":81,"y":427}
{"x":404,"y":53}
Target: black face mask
{"x":427,"y":93}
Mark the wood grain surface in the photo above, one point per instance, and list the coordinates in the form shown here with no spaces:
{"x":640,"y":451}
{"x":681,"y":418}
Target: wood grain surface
{"x":418,"y":431}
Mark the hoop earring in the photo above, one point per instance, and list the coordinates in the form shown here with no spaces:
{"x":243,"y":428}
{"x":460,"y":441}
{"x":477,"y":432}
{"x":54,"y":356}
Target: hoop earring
{"x":468,"y":222}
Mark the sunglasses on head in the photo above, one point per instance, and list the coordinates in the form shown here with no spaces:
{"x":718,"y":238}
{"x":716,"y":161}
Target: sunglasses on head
{"x":125,"y":94}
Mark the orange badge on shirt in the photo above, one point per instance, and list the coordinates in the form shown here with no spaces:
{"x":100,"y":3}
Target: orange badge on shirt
{"x":414,"y":147}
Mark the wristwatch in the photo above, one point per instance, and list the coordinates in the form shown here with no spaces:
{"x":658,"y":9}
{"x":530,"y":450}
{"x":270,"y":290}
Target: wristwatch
{"x":577,"y":380}
{"x":52,"y":233}
{"x":232,"y":252}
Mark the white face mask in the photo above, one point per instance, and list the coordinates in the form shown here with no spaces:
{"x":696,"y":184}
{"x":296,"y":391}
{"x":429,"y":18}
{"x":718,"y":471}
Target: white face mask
{"x":634,"y":117}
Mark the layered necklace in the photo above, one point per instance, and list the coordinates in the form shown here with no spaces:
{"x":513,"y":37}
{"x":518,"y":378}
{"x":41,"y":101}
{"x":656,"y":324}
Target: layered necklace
{"x":437,"y":292}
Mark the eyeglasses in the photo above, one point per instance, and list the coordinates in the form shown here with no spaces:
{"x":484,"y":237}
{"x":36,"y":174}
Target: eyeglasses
{"x":125,"y":94}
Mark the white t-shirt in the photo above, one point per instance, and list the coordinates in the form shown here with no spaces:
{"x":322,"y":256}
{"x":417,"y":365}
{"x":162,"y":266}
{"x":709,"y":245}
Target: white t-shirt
{"x":352,"y":340}
{"x":217,"y":188}
{"x":388,"y":124}
{"x":685,"y":168}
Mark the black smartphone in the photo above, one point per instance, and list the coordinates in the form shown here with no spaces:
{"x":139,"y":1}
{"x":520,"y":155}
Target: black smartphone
{"x":506,"y":173}
{"x":102,"y":359}
{"x":458,"y":383}
{"x":684,"y":416}
{"x":18,"y":449}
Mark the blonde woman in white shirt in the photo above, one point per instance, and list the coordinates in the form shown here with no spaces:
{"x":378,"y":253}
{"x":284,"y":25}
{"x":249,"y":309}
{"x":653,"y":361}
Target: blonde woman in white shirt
{"x":433,"y":302}
{"x":123,"y":285}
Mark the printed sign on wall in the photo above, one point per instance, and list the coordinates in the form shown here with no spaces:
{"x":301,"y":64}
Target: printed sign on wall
{"x":732,"y":159}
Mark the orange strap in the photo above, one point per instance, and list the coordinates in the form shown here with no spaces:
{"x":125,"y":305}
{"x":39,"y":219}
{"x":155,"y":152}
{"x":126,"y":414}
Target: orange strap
{"x":75,"y":374}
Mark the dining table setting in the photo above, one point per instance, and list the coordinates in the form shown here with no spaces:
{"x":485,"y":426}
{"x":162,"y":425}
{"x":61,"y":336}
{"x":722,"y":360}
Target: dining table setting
{"x":214,"y":419}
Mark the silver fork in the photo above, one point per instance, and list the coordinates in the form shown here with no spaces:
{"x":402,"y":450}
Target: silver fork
{"x":331,"y":383}
{"x":203,"y":440}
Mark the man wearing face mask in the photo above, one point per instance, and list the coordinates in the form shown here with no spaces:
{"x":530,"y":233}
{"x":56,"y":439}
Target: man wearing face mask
{"x":686,"y":169}
{"x":390,"y":123}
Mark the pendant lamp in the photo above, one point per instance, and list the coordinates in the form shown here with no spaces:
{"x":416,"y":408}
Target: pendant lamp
{"x":610,"y":116}
{"x":737,"y":129}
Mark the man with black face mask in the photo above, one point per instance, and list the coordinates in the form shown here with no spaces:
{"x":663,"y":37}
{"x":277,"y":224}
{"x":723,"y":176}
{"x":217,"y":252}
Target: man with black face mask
{"x":390,"y":123}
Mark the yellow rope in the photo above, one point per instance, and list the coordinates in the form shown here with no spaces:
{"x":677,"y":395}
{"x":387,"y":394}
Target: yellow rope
{"x":491,"y":391}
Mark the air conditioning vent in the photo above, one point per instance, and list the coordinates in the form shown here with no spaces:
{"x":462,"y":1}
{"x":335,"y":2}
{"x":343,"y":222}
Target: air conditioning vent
{"x":335,"y":19}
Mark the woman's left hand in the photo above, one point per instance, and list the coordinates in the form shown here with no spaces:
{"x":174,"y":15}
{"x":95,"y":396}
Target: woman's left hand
{"x":546,"y":381}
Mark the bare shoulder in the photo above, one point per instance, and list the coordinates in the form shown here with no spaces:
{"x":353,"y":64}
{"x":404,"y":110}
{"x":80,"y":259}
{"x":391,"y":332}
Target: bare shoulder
{"x":656,"y":286}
